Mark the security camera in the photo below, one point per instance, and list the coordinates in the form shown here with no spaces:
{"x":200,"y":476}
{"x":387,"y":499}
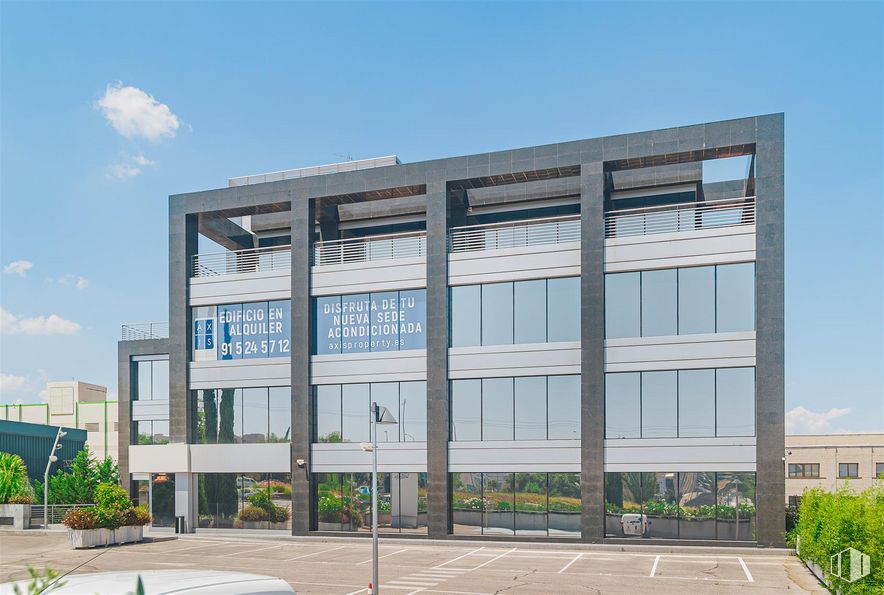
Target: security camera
{"x":302,"y":464}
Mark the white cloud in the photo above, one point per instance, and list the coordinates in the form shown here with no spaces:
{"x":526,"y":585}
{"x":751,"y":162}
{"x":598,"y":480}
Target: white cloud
{"x":134,"y":113}
{"x":130,"y":167}
{"x":82,"y":282}
{"x":804,"y":421}
{"x":10,"y":324}
{"x":11,"y":382}
{"x":18,"y":267}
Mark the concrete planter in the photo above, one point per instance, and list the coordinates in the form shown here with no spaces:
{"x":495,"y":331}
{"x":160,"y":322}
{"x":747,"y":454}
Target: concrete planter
{"x":263,"y":525}
{"x":564,"y":521}
{"x":85,"y":538}
{"x":17,"y":516}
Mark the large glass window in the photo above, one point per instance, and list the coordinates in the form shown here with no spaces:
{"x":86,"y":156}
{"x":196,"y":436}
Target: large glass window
{"x":343,"y":502}
{"x":151,"y":380}
{"x":696,"y":300}
{"x":245,"y":500}
{"x":522,"y":408}
{"x":804,"y":470}
{"x":343,"y":411}
{"x":687,"y":403}
{"x":466,"y":316}
{"x":696,"y":403}
{"x":680,"y":301}
{"x":735,"y":401}
{"x":251,"y":415}
{"x":659,"y":405}
{"x":280,"y":414}
{"x":623,"y":405}
{"x":370,"y":322}
{"x":516,"y":503}
{"x":255,"y":415}
{"x":735,"y":297}
{"x":537,"y":311}
{"x":659,"y":303}
{"x":681,"y":505}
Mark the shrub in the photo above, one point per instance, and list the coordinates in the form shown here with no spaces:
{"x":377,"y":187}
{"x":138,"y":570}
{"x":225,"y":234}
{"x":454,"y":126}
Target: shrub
{"x":253,"y":514}
{"x":330,"y":509}
{"x":137,"y":517}
{"x":22,"y":499}
{"x":261,"y":499}
{"x":13,"y":477}
{"x":80,"y":518}
{"x":830,"y":522}
{"x":112,"y":505}
{"x":280,"y":514}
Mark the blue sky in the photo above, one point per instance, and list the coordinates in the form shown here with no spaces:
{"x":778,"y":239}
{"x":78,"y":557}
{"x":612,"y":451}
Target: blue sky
{"x":257,"y":87}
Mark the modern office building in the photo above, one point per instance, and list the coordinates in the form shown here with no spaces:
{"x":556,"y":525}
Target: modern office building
{"x":581,"y":340}
{"x":832,"y":461}
{"x":74,"y":404}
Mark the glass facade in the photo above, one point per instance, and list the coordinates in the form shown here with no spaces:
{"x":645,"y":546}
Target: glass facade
{"x":245,"y":500}
{"x":151,"y":382}
{"x":343,"y":502}
{"x":540,"y":504}
{"x":538,"y":311}
{"x":680,"y":404}
{"x":521,"y":408}
{"x":370,"y":322}
{"x":242,"y":415}
{"x":681,"y":505}
{"x":710,"y":299}
{"x":342,"y":411}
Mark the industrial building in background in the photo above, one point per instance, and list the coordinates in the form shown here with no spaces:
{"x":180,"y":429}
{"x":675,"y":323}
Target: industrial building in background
{"x":581,"y":340}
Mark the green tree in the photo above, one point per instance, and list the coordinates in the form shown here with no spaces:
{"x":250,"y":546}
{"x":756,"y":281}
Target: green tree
{"x":77,"y":484}
{"x":13,"y":477}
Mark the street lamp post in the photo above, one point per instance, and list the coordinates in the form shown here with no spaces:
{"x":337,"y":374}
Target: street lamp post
{"x":52,"y":458}
{"x":379,"y":415}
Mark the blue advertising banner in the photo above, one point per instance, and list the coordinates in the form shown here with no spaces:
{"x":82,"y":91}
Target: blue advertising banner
{"x":244,"y":331}
{"x":386,"y":321}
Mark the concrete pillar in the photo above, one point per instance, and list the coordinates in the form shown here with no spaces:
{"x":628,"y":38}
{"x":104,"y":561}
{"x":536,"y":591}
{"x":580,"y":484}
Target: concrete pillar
{"x":302,"y":339}
{"x":769,"y":331}
{"x":186,"y":499}
{"x":592,"y":354}
{"x":183,"y":242}
{"x":437,"y":359}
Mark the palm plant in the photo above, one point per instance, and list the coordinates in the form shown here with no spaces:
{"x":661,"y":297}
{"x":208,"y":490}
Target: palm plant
{"x":13,"y":477}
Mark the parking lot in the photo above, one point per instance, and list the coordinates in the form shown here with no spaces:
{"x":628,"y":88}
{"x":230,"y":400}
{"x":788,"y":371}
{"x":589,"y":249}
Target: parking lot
{"x":411,"y":566}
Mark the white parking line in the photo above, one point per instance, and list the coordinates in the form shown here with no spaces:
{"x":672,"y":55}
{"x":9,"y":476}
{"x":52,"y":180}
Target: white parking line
{"x":459,"y":557}
{"x":494,"y":559}
{"x":746,"y":570}
{"x":251,"y":551}
{"x":384,"y":556}
{"x":654,"y":569}
{"x":568,"y":565}
{"x":340,"y":547}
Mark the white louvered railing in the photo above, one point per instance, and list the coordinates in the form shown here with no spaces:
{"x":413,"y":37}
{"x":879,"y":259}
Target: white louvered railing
{"x":380,"y":247}
{"x":271,"y":258}
{"x":514,"y":234}
{"x":141,"y":331}
{"x":680,"y":217}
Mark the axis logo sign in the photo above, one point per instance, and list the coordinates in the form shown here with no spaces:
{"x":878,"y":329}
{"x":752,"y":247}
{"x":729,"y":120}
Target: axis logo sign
{"x":850,"y":565}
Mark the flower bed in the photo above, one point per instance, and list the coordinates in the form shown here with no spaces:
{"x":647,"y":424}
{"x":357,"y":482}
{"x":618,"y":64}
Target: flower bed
{"x":112,"y":520}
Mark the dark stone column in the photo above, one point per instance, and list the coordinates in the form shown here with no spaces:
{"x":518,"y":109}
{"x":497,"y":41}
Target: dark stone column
{"x":302,"y":244}
{"x":437,"y":359}
{"x":592,"y":353}
{"x":183,"y":241}
{"x":124,"y":412}
{"x":769,"y":331}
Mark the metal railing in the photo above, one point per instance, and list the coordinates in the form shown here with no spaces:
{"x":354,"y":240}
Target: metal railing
{"x":56,"y":512}
{"x":254,"y":260}
{"x":141,"y":331}
{"x":515,"y":234}
{"x":680,"y":217}
{"x":380,"y":247}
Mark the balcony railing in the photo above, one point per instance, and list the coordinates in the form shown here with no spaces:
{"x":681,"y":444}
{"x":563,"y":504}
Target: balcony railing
{"x":680,"y":217}
{"x":142,"y":331}
{"x":380,"y":247}
{"x":515,"y":234}
{"x":254,"y":260}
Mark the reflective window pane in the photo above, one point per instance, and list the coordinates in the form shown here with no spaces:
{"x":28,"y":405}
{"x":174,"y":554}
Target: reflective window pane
{"x":563,"y":309}
{"x":696,"y":300}
{"x":499,"y":501}
{"x":354,"y":413}
{"x":735,"y":401}
{"x":255,"y":420}
{"x":497,"y":314}
{"x":530,"y":504}
{"x":659,"y":298}
{"x":280,"y":414}
{"x":160,"y":431}
{"x":564,"y":407}
{"x":413,"y":411}
{"x":564,"y":504}
{"x":328,"y":413}
{"x":497,"y":409}
{"x":623,"y":405}
{"x":230,"y":416}
{"x":696,"y":403}
{"x":622,"y":305}
{"x":659,"y":491}
{"x":736,"y":506}
{"x":696,"y":504}
{"x":145,"y":390}
{"x":466,"y":503}
{"x":466,"y":310}
{"x":659,"y":404}
{"x":386,"y":394}
{"x":466,"y":410}
{"x":735,"y":297}
{"x":530,"y":405}
{"x":530,"y":311}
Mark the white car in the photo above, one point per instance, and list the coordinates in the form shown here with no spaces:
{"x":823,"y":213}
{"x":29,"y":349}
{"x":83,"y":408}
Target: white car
{"x":159,"y":582}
